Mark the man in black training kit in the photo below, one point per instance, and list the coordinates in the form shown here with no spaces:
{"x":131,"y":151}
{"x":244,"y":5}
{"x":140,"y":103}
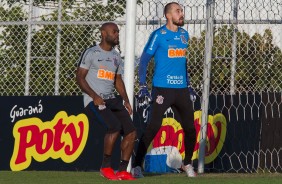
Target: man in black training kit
{"x":98,"y":74}
{"x":171,"y":86}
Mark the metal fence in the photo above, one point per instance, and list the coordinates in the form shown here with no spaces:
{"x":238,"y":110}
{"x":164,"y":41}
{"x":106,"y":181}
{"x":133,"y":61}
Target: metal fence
{"x":40,"y":43}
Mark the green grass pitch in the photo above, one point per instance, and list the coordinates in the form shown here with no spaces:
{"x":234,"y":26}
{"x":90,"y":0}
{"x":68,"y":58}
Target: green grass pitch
{"x":62,"y":177}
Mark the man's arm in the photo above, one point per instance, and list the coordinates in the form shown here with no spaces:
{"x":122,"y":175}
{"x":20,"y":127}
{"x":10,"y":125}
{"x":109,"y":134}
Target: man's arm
{"x":148,"y":52}
{"x":144,"y":61}
{"x":80,"y":79}
{"x":119,"y":85}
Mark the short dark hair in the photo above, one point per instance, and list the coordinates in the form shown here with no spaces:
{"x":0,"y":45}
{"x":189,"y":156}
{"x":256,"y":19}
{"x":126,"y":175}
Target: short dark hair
{"x":167,"y":7}
{"x":103,"y":27}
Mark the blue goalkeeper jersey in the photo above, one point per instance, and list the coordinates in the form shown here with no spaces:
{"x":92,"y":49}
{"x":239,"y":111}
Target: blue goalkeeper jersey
{"x":169,"y":50}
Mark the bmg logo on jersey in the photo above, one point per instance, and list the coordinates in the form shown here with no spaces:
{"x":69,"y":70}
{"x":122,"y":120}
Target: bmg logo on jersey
{"x":176,"y":53}
{"x":105,"y":74}
{"x":174,"y":79}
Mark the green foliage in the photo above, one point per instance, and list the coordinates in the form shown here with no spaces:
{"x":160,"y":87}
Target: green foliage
{"x":74,"y":39}
{"x":13,"y":52}
{"x":37,"y":2}
{"x":257,"y":61}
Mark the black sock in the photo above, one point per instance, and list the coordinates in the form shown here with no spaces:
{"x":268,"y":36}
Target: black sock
{"x":123,"y":165}
{"x":106,"y":161}
{"x":186,"y":162}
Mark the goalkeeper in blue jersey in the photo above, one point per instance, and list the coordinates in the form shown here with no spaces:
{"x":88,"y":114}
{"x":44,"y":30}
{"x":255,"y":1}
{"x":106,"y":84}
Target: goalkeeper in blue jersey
{"x":171,"y":86}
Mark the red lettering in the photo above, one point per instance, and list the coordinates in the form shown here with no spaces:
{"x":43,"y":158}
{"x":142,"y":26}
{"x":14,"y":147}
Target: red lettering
{"x":59,"y":128}
{"x":64,"y":137}
{"x":24,"y":144}
{"x":171,"y":135}
{"x":213,"y":140}
{"x":76,"y":140}
{"x":40,"y":140}
{"x":171,"y":138}
{"x":179,"y":139}
{"x":198,"y":128}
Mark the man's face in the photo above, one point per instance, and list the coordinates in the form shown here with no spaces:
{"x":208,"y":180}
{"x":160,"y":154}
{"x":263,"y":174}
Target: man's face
{"x":112,"y":36}
{"x":177,"y":15}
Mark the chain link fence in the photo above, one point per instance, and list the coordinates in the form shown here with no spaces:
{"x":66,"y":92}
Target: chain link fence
{"x":41,"y":40}
{"x":40,"y":44}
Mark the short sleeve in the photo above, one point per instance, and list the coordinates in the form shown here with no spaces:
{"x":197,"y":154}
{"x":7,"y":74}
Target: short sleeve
{"x":85,"y":59}
{"x":120,"y":66}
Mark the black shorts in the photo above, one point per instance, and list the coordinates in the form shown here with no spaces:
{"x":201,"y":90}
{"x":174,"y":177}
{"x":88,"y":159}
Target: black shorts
{"x":114,"y":117}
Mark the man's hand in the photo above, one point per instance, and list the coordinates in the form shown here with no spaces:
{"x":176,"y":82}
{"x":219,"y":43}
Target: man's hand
{"x":192,"y":94}
{"x":128,"y":107}
{"x":144,"y":97}
{"x":98,"y":100}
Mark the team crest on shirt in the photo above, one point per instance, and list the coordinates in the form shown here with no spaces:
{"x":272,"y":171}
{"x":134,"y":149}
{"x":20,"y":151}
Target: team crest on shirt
{"x":183,"y":39}
{"x":163,"y":31}
{"x":160,"y":99}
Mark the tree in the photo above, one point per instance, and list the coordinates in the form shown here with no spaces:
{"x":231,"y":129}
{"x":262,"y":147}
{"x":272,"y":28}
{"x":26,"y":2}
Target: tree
{"x":13,"y":52}
{"x":257,"y":62}
{"x":74,"y":39}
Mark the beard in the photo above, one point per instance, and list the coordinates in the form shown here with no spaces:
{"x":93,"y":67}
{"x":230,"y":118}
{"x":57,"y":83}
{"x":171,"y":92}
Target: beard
{"x":112,"y":42}
{"x":180,"y":22}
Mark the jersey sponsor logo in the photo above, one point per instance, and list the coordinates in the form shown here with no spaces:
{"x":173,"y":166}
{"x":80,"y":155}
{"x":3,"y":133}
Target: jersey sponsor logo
{"x":153,"y":42}
{"x":174,"y":79}
{"x":176,"y":38}
{"x":105,"y":74}
{"x":176,"y":53}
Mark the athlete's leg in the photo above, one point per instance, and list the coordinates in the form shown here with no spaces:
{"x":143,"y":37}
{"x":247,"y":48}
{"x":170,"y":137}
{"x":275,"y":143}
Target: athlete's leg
{"x":127,"y":145}
{"x":106,"y":118}
{"x":109,"y":142}
{"x":184,"y":106}
{"x":162,"y":99}
{"x":127,"y":130}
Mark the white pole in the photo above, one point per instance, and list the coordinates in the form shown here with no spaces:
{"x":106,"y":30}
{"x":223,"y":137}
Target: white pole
{"x":206,"y":87}
{"x":28,"y":49}
{"x":58,"y":44}
{"x":234,"y":47}
{"x":130,"y":51}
